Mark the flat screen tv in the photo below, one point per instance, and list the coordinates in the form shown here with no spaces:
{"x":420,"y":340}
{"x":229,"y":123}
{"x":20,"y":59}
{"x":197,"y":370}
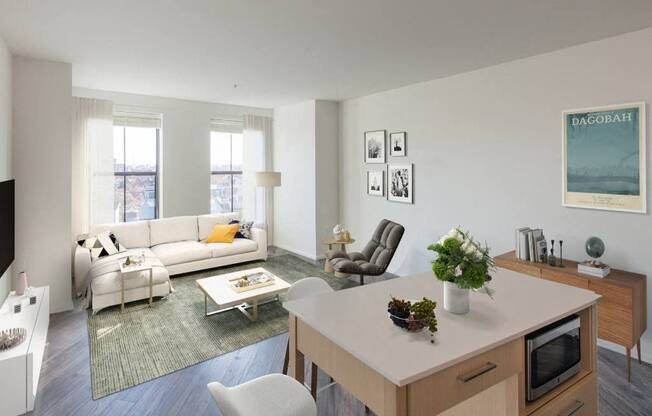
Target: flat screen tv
{"x":7,"y":213}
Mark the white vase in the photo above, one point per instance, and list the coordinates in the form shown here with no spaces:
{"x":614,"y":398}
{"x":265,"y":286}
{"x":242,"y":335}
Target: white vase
{"x":456,"y":299}
{"x":21,"y":283}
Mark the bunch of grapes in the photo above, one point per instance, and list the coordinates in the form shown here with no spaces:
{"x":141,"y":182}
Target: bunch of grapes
{"x":399,"y":311}
{"x":424,"y":311}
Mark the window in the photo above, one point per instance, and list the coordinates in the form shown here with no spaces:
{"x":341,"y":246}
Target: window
{"x":226,"y":172}
{"x":135,"y":167}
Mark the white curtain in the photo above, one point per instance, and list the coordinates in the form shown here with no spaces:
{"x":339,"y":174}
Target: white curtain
{"x":92,"y":167}
{"x":257,"y":203}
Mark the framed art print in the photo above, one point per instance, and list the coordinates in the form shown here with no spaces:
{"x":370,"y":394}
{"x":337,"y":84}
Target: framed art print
{"x":604,"y":158}
{"x":374,"y":146}
{"x":397,"y":144}
{"x":399,"y":180}
{"x":376,"y":183}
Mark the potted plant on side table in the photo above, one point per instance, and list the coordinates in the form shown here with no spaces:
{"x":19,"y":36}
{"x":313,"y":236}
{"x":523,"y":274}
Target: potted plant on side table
{"x":462,"y":264}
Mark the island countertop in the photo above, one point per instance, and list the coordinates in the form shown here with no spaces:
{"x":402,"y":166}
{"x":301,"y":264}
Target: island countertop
{"x":356,"y":320}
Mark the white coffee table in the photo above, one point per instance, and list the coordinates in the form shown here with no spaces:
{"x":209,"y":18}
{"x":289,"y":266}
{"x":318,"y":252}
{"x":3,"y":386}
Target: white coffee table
{"x":220,"y":292}
{"x":134,"y":268}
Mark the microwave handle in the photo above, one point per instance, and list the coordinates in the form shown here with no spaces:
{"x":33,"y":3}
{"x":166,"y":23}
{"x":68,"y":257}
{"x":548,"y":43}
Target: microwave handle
{"x":477,"y":373}
{"x":570,"y":412}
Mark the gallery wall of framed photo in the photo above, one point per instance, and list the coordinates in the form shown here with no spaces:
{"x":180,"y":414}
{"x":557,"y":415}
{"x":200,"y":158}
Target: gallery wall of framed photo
{"x":394,"y":180}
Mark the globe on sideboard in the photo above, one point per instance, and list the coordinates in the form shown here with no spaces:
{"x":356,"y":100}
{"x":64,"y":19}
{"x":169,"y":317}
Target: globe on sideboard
{"x":594,"y":247}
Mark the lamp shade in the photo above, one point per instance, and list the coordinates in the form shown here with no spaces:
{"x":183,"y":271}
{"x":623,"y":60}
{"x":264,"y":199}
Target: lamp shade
{"x":268,"y":179}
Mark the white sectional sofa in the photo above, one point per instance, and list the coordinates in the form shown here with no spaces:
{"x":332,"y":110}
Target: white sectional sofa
{"x":174,"y":247}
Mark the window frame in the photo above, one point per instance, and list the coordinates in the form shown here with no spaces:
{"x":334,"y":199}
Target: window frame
{"x":230,"y":172}
{"x":125,"y":174}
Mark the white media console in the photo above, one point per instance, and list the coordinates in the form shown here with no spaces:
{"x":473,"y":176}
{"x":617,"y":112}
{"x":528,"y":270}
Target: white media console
{"x":20,"y":366}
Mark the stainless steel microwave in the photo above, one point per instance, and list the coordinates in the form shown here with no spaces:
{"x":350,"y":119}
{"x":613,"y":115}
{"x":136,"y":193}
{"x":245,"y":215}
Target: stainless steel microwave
{"x":553,"y":356}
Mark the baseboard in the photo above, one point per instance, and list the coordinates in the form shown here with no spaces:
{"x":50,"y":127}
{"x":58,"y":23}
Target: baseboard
{"x":299,"y":252}
{"x":646,"y":354}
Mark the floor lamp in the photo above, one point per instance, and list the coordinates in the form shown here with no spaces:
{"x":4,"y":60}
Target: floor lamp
{"x":268,"y":180}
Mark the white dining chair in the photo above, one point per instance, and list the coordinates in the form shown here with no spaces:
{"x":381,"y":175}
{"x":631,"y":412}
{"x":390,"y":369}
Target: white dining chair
{"x":309,"y":286}
{"x":270,"y":395}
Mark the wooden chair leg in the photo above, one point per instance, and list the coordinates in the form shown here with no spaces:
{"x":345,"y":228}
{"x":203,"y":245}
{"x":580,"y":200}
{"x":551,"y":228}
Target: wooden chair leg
{"x":629,"y":364}
{"x":286,"y":361}
{"x":638,"y":351}
{"x":313,"y":380}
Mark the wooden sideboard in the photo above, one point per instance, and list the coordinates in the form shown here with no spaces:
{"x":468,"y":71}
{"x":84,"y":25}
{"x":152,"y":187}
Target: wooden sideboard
{"x":622,"y":311}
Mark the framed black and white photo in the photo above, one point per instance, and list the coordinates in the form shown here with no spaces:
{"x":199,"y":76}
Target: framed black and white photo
{"x":374,"y":146}
{"x":397,"y":144}
{"x":376,"y":183}
{"x":399,"y":178}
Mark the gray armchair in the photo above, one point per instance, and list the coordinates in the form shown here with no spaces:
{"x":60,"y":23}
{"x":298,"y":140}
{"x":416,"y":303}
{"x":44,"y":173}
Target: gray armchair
{"x":374,"y":258}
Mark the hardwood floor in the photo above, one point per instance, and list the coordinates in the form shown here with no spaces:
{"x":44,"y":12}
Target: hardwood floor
{"x":65,"y":389}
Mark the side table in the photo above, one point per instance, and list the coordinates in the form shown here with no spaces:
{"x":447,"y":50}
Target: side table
{"x":134,"y":268}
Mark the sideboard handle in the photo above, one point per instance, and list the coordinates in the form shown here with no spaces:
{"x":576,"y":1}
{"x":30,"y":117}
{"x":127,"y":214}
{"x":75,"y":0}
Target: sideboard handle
{"x":576,"y":406}
{"x":477,"y":373}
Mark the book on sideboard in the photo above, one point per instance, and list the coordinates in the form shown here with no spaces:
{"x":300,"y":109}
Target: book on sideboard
{"x":531,"y":245}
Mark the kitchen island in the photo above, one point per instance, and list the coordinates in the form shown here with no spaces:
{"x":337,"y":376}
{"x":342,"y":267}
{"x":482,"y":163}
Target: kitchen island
{"x":476,"y":364}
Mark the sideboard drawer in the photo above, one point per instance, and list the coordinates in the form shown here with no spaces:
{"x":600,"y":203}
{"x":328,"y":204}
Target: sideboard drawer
{"x":579,"y":400}
{"x":440,"y":391}
{"x":612,"y":293}
{"x":616,"y":324}
{"x":520,"y":267}
{"x":565,"y":278}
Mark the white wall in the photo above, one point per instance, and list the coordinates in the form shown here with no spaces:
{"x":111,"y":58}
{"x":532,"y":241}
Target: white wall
{"x":327,"y":173}
{"x":294,"y":157}
{"x":486,"y":148}
{"x":305,"y":152}
{"x":5,"y":141}
{"x":42,"y":104}
{"x":185,"y":145}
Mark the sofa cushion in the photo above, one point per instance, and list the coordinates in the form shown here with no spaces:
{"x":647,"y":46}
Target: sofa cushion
{"x":169,"y":230}
{"x":238,"y":246}
{"x":181,"y":252}
{"x":130,"y":234}
{"x":206,"y":222}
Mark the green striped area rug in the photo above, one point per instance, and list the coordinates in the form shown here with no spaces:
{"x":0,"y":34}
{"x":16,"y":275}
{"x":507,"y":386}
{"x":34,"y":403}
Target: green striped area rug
{"x":146,"y":343}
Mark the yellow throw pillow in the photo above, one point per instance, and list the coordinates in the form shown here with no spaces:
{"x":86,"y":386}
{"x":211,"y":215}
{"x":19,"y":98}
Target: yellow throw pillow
{"x":223,"y":233}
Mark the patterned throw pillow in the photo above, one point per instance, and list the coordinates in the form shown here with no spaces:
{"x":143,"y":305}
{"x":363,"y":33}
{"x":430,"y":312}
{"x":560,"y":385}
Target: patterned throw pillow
{"x":102,"y":245}
{"x":245,"y":228}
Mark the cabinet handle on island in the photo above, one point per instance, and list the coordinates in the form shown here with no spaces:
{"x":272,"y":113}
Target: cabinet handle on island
{"x":570,"y":412}
{"x":477,"y":373}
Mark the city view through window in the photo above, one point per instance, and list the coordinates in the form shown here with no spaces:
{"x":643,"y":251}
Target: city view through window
{"x":226,"y":172}
{"x":135,"y":166}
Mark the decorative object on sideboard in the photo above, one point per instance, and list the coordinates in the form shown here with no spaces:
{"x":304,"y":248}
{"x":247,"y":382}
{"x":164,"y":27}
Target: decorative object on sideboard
{"x":397,"y":145}
{"x":462,"y":264}
{"x":561,"y":253}
{"x":21,"y":283}
{"x":12,"y":337}
{"x":551,"y":258}
{"x":400,"y":183}
{"x":604,"y":158}
{"x":594,"y":247}
{"x":413,"y":317}
{"x":376,"y":183}
{"x":374,"y":146}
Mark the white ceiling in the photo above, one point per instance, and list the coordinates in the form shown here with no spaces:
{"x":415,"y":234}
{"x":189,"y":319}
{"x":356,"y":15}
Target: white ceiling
{"x":285,"y":51}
